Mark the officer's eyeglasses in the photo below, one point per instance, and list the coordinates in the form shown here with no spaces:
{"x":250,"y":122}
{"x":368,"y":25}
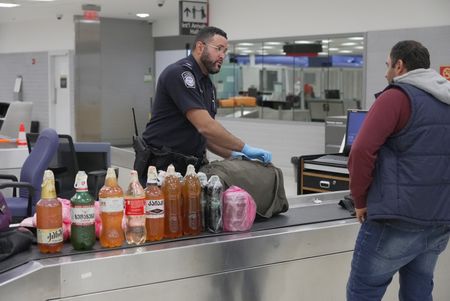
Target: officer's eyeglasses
{"x":220,"y":49}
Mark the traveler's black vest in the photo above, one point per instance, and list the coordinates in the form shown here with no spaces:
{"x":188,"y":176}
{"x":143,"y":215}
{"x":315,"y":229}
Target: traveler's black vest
{"x":412,"y":173}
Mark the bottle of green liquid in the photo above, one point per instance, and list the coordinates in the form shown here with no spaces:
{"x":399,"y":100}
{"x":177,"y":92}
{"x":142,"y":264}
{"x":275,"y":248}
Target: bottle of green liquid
{"x":83,"y":215}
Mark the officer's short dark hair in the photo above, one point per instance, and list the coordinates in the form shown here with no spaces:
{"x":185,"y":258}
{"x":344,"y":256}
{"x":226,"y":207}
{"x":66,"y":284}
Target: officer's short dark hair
{"x":413,"y":54}
{"x":207,"y":33}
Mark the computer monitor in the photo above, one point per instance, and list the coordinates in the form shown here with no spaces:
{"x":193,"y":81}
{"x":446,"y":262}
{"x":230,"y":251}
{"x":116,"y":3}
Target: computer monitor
{"x":355,"y":119}
{"x":332,"y":94}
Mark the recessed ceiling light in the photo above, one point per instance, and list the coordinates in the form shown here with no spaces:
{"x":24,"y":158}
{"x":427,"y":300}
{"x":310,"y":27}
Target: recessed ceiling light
{"x":267,"y":47}
{"x":245,"y":44}
{"x":8,"y":5}
{"x":303,"y":42}
{"x":142,"y":15}
{"x":356,"y":38}
{"x":349,"y":44}
{"x":273,"y":43}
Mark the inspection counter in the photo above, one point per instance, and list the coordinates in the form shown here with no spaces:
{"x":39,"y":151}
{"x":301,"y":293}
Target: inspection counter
{"x":303,"y":254}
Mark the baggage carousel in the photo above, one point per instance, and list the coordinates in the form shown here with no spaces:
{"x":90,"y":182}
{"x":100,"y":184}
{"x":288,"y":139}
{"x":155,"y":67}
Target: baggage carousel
{"x":303,"y":254}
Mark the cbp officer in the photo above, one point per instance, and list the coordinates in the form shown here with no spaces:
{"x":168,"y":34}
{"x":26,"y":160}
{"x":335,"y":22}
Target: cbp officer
{"x":182,"y":124}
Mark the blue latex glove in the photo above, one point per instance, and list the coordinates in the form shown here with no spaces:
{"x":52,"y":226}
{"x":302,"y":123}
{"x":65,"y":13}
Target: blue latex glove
{"x":257,"y":153}
{"x":235,"y":154}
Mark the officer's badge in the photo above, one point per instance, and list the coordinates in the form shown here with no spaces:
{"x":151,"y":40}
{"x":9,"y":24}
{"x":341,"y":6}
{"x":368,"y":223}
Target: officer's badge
{"x":189,"y":80}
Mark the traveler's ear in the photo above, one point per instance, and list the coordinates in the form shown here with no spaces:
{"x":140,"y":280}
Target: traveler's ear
{"x":400,"y":67}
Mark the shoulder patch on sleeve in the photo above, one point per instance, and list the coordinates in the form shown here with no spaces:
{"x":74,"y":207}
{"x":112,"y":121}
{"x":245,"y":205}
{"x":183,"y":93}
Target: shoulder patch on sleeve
{"x":189,"y":79}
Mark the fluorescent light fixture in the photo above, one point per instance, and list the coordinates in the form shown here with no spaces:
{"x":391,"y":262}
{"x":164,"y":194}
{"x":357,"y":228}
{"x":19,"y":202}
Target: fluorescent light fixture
{"x":142,"y":15}
{"x":247,"y":51}
{"x":303,"y":42}
{"x":245,"y":44}
{"x":359,"y":47}
{"x":8,"y":5}
{"x":333,"y":49}
{"x":322,"y":53}
{"x":345,"y":51}
{"x":273,"y":43}
{"x":42,"y":0}
{"x":356,"y":38}
{"x":326,"y":41}
{"x":348,"y":44}
{"x":267,"y":47}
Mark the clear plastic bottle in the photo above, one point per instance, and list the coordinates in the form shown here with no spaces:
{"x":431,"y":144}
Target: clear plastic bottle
{"x":135,"y":211}
{"x":49,"y":224}
{"x":82,"y":212}
{"x":204,"y":197}
{"x":192,"y":221}
{"x":154,"y":207}
{"x":173,"y":226}
{"x":111,"y":211}
{"x":214,"y":219}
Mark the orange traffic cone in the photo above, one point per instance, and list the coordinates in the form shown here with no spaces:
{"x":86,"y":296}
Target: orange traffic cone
{"x":22,"y":139}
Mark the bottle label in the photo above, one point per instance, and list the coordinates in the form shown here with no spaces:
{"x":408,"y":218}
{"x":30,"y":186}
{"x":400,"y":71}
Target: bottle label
{"x":114,"y":204}
{"x":154,"y":208}
{"x":135,"y":206}
{"x":49,"y":236}
{"x":83,"y":215}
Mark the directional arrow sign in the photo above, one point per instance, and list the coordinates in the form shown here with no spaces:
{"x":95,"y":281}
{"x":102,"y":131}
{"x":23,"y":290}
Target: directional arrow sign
{"x":193,"y":17}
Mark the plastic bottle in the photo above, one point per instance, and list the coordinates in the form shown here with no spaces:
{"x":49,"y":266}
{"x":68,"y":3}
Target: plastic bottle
{"x":111,"y":211}
{"x":173,"y":226}
{"x":204,"y":196}
{"x":135,"y":211}
{"x":49,"y":217}
{"x":214,"y":219}
{"x":82,"y":212}
{"x":192,"y":221}
{"x":154,"y":207}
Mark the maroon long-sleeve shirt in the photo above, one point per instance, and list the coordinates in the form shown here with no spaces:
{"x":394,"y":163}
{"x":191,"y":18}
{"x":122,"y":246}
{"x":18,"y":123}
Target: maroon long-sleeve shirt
{"x":387,"y":116}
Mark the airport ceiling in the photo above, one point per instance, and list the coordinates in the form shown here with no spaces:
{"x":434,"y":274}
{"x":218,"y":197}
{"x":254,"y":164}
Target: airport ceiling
{"x":34,"y":10}
{"x":29,"y":10}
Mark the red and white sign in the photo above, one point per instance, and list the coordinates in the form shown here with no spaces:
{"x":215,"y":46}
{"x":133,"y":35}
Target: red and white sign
{"x":445,"y":72}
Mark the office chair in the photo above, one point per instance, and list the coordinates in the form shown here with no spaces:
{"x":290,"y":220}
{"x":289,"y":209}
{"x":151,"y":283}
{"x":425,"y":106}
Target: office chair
{"x":64,"y":163}
{"x":31,"y":176}
{"x":91,"y":157}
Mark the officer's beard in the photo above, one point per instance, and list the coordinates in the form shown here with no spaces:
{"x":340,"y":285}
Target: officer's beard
{"x":209,"y":64}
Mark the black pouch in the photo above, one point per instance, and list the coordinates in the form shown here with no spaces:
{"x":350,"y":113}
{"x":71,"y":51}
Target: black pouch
{"x":14,"y":241}
{"x":160,"y":158}
{"x":142,"y":157}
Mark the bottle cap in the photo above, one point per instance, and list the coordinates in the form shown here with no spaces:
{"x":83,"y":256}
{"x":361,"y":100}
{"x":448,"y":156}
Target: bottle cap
{"x":48,"y":185}
{"x":110,"y":173}
{"x":152,"y":175}
{"x":170,"y":170}
{"x":81,"y":181}
{"x":190,"y":170}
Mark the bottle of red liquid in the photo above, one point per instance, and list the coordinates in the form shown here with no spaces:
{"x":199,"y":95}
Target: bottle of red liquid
{"x":154,"y":207}
{"x":49,"y":217}
{"x":173,"y":226}
{"x":192,"y":189}
{"x":110,"y":197}
{"x":135,"y":211}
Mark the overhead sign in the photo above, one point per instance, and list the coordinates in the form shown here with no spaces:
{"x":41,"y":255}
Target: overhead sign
{"x":193,"y":17}
{"x":445,"y":72}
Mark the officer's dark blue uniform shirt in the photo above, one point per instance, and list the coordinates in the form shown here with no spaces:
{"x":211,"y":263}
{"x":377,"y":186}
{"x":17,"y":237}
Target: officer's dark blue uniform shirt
{"x":181,"y":87}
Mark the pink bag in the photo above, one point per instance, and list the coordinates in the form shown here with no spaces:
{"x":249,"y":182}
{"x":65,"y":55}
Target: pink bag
{"x":239,"y":209}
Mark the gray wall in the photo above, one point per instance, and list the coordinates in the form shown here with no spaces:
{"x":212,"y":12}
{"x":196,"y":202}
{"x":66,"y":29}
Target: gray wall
{"x":127,"y":49}
{"x":34,"y":83}
{"x":379,"y":44}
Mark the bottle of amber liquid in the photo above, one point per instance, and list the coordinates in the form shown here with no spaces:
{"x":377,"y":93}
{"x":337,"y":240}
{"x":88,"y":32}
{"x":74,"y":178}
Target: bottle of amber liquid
{"x":110,"y":197}
{"x":154,"y":207}
{"x":49,"y":217}
{"x":192,"y":189}
{"x":173,"y":226}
